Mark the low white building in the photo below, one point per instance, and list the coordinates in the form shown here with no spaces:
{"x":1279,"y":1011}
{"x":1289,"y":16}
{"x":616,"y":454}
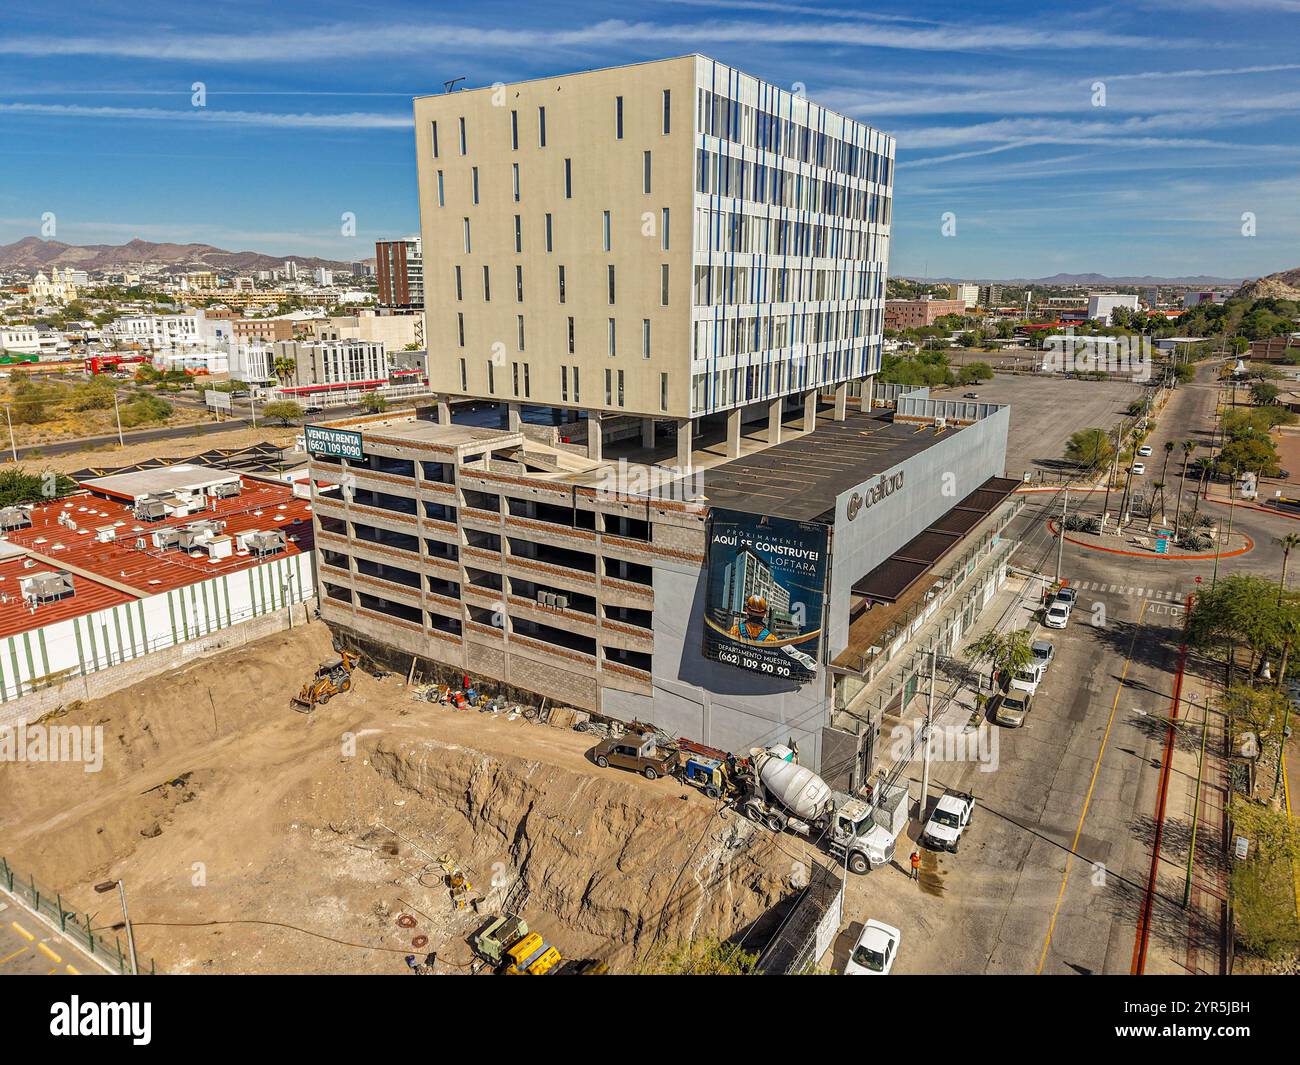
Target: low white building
{"x":1101,"y":304}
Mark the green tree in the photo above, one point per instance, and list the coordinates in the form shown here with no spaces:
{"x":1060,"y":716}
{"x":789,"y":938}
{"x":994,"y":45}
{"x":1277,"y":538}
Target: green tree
{"x":284,"y":367}
{"x":1090,"y":448}
{"x":17,"y":486}
{"x":375,"y":403}
{"x":145,"y":410}
{"x":702,"y":956}
{"x":1263,"y":393}
{"x":1006,"y":652}
{"x":1262,"y":886}
{"x":283,"y":411}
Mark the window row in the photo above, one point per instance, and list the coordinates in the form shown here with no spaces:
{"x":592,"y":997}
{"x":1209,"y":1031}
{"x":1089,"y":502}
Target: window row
{"x":753,"y":234}
{"x":741,"y":335}
{"x":743,"y":179}
{"x":562,"y":279}
{"x":718,"y":285}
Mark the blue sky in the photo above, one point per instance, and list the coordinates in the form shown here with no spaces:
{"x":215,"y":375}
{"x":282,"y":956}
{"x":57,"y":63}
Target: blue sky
{"x":993,"y":103}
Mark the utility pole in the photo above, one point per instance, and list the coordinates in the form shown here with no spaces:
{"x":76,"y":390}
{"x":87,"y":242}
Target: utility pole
{"x":925,"y":741}
{"x":109,"y":885}
{"x":13,"y":446}
{"x":252,"y":406}
{"x":120,"y":442}
{"x":1060,"y":534}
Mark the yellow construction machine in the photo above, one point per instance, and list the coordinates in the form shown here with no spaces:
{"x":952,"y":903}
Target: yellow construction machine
{"x":333,"y":677}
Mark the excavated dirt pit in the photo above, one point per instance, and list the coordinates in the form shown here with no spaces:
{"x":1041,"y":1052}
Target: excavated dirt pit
{"x":255,"y":839}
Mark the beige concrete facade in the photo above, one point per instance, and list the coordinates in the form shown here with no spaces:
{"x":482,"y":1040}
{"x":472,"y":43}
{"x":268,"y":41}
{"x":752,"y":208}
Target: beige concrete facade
{"x":720,"y":242}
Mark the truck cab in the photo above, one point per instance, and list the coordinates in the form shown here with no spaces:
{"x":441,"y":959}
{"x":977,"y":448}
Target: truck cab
{"x":637,"y":751}
{"x":865,"y":836}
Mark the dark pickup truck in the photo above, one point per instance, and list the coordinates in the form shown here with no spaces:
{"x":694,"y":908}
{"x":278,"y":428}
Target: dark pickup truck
{"x":635,"y":751}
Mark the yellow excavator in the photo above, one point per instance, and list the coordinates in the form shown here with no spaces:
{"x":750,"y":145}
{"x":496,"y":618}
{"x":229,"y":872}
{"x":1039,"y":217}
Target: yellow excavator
{"x":333,"y":677}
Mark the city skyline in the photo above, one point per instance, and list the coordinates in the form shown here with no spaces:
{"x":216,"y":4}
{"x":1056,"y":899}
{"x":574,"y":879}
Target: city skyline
{"x":1071,"y":140}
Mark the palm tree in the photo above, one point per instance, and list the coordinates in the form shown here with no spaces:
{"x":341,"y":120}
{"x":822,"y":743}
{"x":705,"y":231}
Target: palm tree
{"x":1159,"y":486}
{"x":1169,"y":450}
{"x":1203,"y":466}
{"x":284,"y":367}
{"x":1286,"y":543}
{"x":1188,"y":447}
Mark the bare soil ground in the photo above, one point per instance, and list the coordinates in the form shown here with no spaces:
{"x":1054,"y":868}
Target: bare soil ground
{"x":179,"y":448}
{"x":292,"y":843}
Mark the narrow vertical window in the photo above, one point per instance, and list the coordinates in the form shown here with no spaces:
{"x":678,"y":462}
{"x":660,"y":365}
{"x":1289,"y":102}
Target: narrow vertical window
{"x":433,"y":130}
{"x":613,"y":346}
{"x":568,"y":179}
{"x":620,"y":388}
{"x":541,"y":127}
{"x":473,"y":183}
{"x":562,"y":292}
{"x":492,"y":384}
{"x":571,"y":335}
{"x":519,"y":235}
{"x":645,"y":338}
{"x":609,"y":387}
{"x":663,"y":391}
{"x":514,"y":377}
{"x":605,"y":231}
{"x":442,"y":199}
{"x":549,"y":246}
{"x":610,"y":270}
{"x":464,"y":377}
{"x":514,"y":138}
{"x":519,"y":321}
{"x":663,"y":284}
{"x":519,"y":284}
{"x":576,"y":398}
{"x":516,"y":181}
{"x":645,"y":177}
{"x":487,"y":285}
{"x":668,"y":111}
{"x":462,"y":136}
{"x":460,"y":331}
{"x":618,"y":117}
{"x":465,"y":226}
{"x":564,"y":384}
{"x":663,"y":225}
{"x":460,"y":292}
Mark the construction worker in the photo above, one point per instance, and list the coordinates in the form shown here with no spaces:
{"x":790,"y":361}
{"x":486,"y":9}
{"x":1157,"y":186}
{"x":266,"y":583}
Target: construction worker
{"x":916,"y":865}
{"x":753,"y":627}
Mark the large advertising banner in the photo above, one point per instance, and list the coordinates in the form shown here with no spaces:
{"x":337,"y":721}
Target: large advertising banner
{"x":765,"y":590}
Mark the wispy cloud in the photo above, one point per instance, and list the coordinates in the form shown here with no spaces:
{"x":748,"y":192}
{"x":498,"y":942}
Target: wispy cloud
{"x":348,"y":120}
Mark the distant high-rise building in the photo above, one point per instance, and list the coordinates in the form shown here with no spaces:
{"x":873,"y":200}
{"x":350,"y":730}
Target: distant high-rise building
{"x":399,"y":269}
{"x":968,"y":293}
{"x":323,"y":277}
{"x":1101,"y":304}
{"x":291,"y":270}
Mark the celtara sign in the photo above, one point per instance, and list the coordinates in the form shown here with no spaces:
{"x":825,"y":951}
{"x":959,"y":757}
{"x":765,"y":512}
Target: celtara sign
{"x":886,"y":486}
{"x":341,"y":443}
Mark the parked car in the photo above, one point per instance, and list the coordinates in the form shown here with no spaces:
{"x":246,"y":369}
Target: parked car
{"x":1066,"y":595}
{"x":313,"y":410}
{"x":636,"y":751}
{"x":1057,"y":615}
{"x":1028,"y":679}
{"x":949,"y":820}
{"x":1013,"y":708}
{"x":971,"y":395}
{"x":876,"y":950}
{"x":1044,"y":652}
{"x":1139,"y":468}
{"x":1145,"y":451}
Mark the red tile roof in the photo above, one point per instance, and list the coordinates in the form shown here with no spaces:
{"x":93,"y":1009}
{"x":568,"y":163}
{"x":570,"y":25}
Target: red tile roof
{"x":122,"y":568}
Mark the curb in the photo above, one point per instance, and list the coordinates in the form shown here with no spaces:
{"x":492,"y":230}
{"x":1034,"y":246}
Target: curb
{"x":1250,"y":546}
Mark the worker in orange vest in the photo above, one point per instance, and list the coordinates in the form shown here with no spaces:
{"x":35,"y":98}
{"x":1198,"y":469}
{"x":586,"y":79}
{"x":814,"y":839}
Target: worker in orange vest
{"x":916,"y":865}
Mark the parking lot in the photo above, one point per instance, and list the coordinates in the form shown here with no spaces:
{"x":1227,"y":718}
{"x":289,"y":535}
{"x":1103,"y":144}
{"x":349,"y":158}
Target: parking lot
{"x":1047,"y":409}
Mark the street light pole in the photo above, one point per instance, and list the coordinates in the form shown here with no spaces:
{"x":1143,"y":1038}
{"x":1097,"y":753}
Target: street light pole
{"x":13,"y":444}
{"x":1060,"y":534}
{"x":118,"y":414}
{"x":925,"y":740}
{"x":108,"y":885}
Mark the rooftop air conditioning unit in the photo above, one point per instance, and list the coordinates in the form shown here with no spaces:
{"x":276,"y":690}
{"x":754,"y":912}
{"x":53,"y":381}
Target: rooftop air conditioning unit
{"x":562,"y":602}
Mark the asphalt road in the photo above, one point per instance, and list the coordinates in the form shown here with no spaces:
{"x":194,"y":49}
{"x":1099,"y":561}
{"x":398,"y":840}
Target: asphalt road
{"x":29,"y":948}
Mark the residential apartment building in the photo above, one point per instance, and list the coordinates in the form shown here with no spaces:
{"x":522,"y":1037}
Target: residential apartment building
{"x":672,"y":241}
{"x":320,"y":365}
{"x":399,"y":270}
{"x":917,"y":314}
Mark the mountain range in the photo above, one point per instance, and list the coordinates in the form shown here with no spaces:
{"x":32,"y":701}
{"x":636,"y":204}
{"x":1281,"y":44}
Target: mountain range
{"x":1092,"y":280}
{"x":32,"y":253}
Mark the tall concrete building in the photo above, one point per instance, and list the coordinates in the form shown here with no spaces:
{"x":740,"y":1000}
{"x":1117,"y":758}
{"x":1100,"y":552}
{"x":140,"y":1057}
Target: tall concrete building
{"x":671,"y":242}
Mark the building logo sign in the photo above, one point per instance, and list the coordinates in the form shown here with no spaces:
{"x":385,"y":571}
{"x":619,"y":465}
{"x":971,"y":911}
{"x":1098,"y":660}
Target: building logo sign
{"x":765,"y":586}
{"x":886,"y":486}
{"x":341,"y":443}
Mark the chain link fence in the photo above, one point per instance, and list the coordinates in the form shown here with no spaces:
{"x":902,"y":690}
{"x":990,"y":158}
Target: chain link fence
{"x":106,"y":946}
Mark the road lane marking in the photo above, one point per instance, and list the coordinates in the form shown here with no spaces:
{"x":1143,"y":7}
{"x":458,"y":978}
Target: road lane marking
{"x":72,"y":971}
{"x":11,"y":957}
{"x":22,"y":931}
{"x":49,"y":953}
{"x":1092,"y":784}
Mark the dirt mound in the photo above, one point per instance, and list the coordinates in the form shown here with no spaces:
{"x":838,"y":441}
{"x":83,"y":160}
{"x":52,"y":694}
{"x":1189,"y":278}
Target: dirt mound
{"x":611,"y":866}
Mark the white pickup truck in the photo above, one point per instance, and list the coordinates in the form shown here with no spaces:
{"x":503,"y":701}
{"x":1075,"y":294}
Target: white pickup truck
{"x":951,"y":816}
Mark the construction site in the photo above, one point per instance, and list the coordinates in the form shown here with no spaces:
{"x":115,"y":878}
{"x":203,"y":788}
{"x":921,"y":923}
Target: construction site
{"x":379,"y":831}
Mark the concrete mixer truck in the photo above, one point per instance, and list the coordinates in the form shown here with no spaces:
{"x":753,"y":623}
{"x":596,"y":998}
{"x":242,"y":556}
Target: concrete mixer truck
{"x":781,"y":794}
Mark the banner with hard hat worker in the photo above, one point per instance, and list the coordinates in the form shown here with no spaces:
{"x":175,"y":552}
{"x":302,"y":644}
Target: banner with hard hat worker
{"x":765,"y":591}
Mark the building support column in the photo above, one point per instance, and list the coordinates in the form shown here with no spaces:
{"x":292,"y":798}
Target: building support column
{"x":774,"y":420}
{"x":647,"y":432}
{"x":810,"y":410}
{"x":685,"y":429}
{"x":868,"y":393}
{"x":514,"y":416}
{"x":841,"y":401}
{"x":444,"y":410}
{"x":595,"y":436}
{"x":733,"y":432}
